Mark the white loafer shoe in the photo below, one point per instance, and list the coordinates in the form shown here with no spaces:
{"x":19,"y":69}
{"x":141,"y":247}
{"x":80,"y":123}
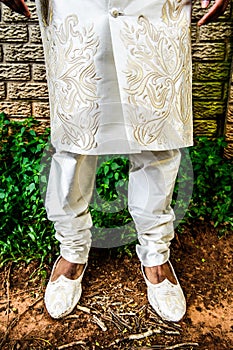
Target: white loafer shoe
{"x":62,"y":295}
{"x":166,"y":298}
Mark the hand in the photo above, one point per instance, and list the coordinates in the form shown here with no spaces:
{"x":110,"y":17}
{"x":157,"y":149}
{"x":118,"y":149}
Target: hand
{"x":17,"y":6}
{"x":214,"y":12}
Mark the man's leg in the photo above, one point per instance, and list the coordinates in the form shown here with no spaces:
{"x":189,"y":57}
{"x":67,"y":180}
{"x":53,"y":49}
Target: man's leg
{"x":70,"y":186}
{"x":151,"y":184}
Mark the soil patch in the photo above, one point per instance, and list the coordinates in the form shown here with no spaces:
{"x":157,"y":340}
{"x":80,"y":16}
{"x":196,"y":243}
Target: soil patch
{"x":113,"y":309}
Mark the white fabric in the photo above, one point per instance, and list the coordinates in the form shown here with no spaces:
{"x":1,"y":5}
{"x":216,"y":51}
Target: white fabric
{"x":69,"y":192}
{"x":151,"y":182}
{"x":119,"y":74}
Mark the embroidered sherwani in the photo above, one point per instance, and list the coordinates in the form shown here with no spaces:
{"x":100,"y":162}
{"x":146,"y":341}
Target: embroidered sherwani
{"x":119,"y":74}
{"x":119,"y":77}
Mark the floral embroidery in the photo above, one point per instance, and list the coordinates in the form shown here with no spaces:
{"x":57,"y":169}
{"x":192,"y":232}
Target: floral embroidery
{"x":172,"y":13}
{"x":72,"y":80}
{"x":158,"y":74}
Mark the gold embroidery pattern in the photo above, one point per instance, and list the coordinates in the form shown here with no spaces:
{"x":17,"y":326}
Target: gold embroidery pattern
{"x":72,"y":79}
{"x":158,"y":74}
{"x":172,"y":13}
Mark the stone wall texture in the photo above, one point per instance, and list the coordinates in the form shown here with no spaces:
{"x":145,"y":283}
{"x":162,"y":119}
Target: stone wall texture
{"x":23,"y":88}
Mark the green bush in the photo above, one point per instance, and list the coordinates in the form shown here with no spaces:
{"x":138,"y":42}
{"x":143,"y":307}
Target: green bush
{"x":112,"y":223}
{"x":26,"y":233}
{"x":212,"y":198}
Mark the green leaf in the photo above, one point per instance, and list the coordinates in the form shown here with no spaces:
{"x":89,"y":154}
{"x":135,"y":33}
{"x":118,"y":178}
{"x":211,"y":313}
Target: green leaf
{"x":106,"y":169}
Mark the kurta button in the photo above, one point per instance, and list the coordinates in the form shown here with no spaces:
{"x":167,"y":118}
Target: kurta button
{"x":114,"y":12}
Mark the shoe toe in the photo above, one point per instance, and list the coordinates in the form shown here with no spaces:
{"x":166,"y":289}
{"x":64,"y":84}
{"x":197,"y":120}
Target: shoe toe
{"x":62,"y":295}
{"x":167,"y":300}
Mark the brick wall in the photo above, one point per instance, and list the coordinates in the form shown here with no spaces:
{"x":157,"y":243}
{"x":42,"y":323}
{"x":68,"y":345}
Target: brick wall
{"x":212,"y":48}
{"x":23,"y":89}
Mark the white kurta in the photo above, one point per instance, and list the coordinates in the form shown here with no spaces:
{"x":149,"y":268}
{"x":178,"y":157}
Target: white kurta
{"x":119,"y":74}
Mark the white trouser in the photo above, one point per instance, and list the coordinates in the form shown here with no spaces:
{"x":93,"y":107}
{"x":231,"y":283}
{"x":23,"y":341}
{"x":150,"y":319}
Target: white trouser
{"x":151,"y":182}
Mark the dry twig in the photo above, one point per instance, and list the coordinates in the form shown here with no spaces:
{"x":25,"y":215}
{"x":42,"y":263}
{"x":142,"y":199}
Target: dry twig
{"x":100,"y":323}
{"x":83,"y":308}
{"x":66,"y":346}
{"x":164,"y":323}
{"x":120,"y":320}
{"x":88,"y":311}
{"x":169,"y":347}
{"x":144,"y":335}
{"x":107,"y":318}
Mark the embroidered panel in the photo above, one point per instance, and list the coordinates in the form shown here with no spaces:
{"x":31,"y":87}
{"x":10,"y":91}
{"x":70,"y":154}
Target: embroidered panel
{"x":72,"y":78}
{"x":158,"y":75}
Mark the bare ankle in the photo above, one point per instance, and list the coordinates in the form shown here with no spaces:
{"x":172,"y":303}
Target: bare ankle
{"x":67,"y":269}
{"x":154,"y":274}
{"x":158,"y":274}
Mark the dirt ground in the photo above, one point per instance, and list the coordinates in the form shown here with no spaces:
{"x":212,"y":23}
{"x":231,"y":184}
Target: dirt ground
{"x":113,"y":312}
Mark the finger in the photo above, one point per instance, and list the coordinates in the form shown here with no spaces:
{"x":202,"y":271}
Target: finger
{"x":18,"y":6}
{"x":23,"y":9}
{"x":213,"y":13}
{"x":204,"y":4}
